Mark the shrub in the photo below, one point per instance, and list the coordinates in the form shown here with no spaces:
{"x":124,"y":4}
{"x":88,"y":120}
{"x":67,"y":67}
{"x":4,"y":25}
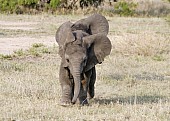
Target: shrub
{"x":30,"y":3}
{"x":26,"y":6}
{"x":87,"y":3}
{"x":8,"y":5}
{"x":54,"y":3}
{"x":14,"y":6}
{"x":125,"y":8}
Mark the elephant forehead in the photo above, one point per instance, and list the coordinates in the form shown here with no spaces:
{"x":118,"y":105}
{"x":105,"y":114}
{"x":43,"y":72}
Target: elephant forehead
{"x":75,"y":49}
{"x":81,"y":25}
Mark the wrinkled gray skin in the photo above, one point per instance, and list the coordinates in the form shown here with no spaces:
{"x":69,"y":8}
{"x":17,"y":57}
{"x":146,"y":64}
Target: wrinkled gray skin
{"x":94,"y":24}
{"x":80,"y":52}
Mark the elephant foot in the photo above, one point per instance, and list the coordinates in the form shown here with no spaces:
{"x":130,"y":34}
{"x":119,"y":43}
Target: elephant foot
{"x":85,"y":102}
{"x":90,"y":95}
{"x":65,"y":103}
{"x":82,"y":101}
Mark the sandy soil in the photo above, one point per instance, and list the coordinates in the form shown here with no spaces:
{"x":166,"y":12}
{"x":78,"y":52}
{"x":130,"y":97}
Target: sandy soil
{"x":9,"y":44}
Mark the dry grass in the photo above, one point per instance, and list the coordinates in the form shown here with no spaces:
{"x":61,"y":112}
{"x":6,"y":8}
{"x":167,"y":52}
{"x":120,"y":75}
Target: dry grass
{"x":143,"y":44}
{"x":133,"y":83}
{"x":157,"y":8}
{"x":153,"y":7}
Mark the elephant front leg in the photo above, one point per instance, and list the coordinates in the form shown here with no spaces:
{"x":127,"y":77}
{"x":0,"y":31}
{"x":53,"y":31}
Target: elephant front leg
{"x":66,"y":95}
{"x":84,"y":88}
{"x":66,"y":87}
{"x":82,"y":99}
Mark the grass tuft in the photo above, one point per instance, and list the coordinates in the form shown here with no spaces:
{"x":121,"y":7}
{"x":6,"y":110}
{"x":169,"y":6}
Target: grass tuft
{"x":37,"y":45}
{"x":158,"y":58}
{"x":7,"y":57}
{"x":19,"y":52}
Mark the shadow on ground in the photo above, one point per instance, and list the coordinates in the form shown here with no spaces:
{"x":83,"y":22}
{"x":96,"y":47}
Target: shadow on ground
{"x":132,"y":100}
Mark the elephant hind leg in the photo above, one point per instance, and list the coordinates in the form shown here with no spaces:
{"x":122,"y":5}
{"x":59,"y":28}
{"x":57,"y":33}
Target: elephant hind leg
{"x":92,"y":81}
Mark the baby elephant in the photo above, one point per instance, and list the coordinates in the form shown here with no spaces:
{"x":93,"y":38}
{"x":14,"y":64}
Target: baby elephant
{"x":80,"y":51}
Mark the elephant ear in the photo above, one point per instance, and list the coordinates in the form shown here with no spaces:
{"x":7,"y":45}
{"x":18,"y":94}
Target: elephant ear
{"x":99,"y":46}
{"x":63,"y":36}
{"x":94,"y":24}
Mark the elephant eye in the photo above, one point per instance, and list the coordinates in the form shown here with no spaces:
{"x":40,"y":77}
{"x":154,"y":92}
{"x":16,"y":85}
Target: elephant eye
{"x":67,"y":60}
{"x":85,"y":59}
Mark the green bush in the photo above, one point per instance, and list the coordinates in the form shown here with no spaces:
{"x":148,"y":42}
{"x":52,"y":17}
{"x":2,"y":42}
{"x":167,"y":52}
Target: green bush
{"x":87,"y":3}
{"x":14,"y":6}
{"x":26,"y":6}
{"x":124,"y":8}
{"x":54,"y":4}
{"x":27,"y":2}
{"x":8,"y":5}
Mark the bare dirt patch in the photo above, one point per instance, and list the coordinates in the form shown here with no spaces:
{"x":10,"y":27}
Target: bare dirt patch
{"x":21,"y":39}
{"x":9,"y":45}
{"x":19,"y":23}
{"x":21,"y":31}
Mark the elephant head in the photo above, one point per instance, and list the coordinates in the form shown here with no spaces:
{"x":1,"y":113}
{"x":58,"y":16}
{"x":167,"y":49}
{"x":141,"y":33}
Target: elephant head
{"x":80,"y":52}
{"x":94,"y":24}
{"x":64,"y":35}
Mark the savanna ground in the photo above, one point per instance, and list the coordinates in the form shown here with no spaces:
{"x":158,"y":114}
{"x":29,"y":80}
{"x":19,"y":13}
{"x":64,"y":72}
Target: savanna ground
{"x":133,"y":83}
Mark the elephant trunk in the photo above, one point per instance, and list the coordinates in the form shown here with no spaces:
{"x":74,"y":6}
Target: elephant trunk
{"x":77,"y":82}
